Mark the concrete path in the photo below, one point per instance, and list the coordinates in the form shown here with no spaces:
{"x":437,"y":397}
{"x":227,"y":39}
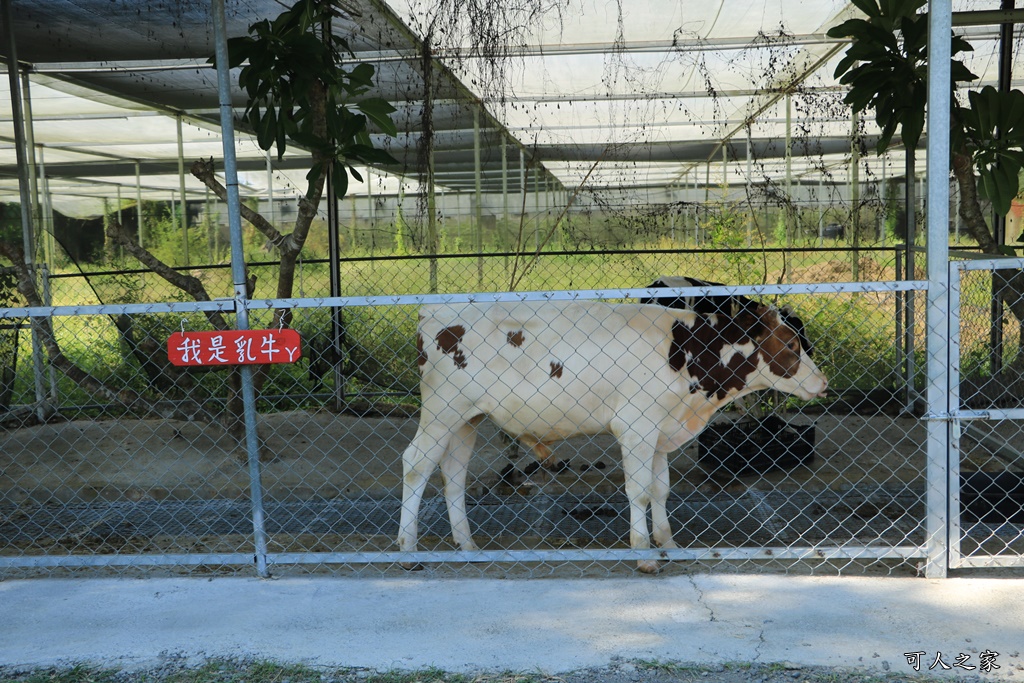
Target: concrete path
{"x":548,"y":625}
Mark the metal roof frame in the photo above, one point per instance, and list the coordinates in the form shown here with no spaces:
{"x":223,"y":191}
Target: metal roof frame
{"x":131,"y":60}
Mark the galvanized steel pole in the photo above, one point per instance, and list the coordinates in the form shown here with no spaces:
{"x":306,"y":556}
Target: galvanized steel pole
{"x":478,"y":215}
{"x":138,"y":202}
{"x":996,"y":343}
{"x":942,"y":456}
{"x":749,"y":189}
{"x":34,"y":173}
{"x":14,"y":75}
{"x":238,"y":280}
{"x":789,"y":172}
{"x":505,"y":239}
{"x":910,"y":273}
{"x":26,"y":197}
{"x":855,"y":196}
{"x":181,"y":190}
{"x":334,"y":268}
{"x":433,"y":245}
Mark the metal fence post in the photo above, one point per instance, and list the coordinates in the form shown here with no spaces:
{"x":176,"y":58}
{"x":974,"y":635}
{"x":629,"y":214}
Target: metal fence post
{"x":238,"y":280}
{"x":939,"y":426}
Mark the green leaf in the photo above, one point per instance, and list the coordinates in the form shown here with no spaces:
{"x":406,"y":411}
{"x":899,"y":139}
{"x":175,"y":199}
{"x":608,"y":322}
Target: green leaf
{"x":881,"y":37}
{"x":362,"y":74}
{"x":369,"y":155}
{"x":913,"y":125}
{"x":1000,"y":183}
{"x":959,"y":73}
{"x":914,"y":29}
{"x":1015,"y":107}
{"x":868,"y":7}
{"x":281,"y":138}
{"x":314,"y":172}
{"x":982,"y":105}
{"x":901,"y":8}
{"x":285,"y":60}
{"x":267,"y":129}
{"x":253,"y":115}
{"x":989,"y":188}
{"x":959,"y":45}
{"x":886,"y":137}
{"x":238,"y":51}
{"x":379,"y":111}
{"x":339,"y":180}
{"x":848,"y":28}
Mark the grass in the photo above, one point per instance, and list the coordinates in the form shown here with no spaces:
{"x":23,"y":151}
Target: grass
{"x":853,"y":333}
{"x":75,"y":674}
{"x":233,"y":671}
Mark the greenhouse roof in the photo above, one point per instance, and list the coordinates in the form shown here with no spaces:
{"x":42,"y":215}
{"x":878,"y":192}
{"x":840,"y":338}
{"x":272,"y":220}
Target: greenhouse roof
{"x":593,"y":92}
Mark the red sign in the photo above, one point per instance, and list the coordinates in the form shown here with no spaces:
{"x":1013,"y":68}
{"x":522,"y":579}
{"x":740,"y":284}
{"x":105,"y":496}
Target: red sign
{"x":234,"y":347}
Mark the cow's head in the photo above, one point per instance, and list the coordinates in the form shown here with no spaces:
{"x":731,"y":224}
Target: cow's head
{"x":784,"y":360}
{"x":729,"y":356}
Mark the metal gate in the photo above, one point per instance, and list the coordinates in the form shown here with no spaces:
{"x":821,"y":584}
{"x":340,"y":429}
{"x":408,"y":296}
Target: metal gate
{"x":986,"y":454}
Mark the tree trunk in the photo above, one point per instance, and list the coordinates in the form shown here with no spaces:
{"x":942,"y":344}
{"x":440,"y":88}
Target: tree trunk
{"x":289,"y":247}
{"x":970,"y":206}
{"x":130,"y":399}
{"x":292,"y":245}
{"x":1009,"y":284}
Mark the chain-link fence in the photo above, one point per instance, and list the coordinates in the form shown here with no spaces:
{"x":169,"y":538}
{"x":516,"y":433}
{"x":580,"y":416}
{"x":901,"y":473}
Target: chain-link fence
{"x":133,"y":462}
{"x":988,"y":467}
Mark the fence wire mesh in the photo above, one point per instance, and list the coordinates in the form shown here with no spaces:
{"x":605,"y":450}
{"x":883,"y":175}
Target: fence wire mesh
{"x":146,"y":466}
{"x":990,"y":476}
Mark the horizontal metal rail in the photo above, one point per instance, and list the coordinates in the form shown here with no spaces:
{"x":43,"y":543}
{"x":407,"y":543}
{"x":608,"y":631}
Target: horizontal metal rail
{"x":228,"y":305}
{"x":127,"y":560}
{"x":222,"y":305}
{"x":990,"y":264}
{"x":476,"y":556}
{"x":985,"y":561}
{"x":588,"y":294}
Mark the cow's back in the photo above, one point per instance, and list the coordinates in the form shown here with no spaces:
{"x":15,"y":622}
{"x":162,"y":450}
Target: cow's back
{"x":550,"y":369}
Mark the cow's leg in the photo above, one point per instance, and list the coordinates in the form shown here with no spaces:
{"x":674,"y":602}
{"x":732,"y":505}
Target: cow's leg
{"x":454,"y":468}
{"x":638,"y":471}
{"x":662,"y":530}
{"x":419,"y":460}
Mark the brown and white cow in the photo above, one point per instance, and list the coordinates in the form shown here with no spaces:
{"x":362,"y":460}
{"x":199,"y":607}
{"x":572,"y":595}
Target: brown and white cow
{"x":544,"y":371}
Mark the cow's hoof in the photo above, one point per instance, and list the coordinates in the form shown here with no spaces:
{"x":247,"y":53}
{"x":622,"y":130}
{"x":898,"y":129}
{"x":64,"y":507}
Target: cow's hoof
{"x":411,"y":566}
{"x":648,"y":566}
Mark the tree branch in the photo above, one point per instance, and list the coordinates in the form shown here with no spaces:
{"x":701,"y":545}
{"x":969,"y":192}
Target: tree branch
{"x":203,"y":170}
{"x":188,"y":284}
{"x":43,"y":326}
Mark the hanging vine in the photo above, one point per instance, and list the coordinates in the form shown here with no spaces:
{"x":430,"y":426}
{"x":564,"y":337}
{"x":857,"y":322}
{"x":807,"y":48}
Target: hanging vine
{"x":478,"y":42}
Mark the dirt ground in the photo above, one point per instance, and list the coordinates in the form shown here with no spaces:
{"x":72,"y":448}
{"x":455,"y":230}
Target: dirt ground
{"x":319,"y":463}
{"x":326,"y":456}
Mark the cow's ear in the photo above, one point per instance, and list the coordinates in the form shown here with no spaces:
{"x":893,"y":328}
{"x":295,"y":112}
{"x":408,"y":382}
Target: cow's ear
{"x":768,"y":315}
{"x":746,"y":317}
{"x":750,"y":322}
